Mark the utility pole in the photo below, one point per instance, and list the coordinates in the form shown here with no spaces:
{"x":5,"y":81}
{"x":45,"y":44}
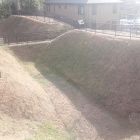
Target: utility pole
{"x":2,"y":1}
{"x":18,"y":5}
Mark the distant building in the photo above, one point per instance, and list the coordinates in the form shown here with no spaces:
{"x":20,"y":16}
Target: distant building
{"x":129,"y":4}
{"x":130,"y":7}
{"x":95,"y":10}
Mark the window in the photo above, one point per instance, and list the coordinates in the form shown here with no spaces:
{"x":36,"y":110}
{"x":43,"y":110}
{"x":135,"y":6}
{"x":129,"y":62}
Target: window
{"x":54,"y":8}
{"x":94,"y":9}
{"x":122,"y":6}
{"x":81,"y":9}
{"x":48,"y":8}
{"x":65,"y":7}
{"x":114,"y":9}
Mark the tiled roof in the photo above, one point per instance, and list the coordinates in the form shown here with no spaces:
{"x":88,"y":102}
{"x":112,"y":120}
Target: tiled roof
{"x":82,"y":1}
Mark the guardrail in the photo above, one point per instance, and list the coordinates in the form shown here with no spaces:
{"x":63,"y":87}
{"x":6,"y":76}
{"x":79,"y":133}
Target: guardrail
{"x":115,"y":29}
{"x":31,"y":37}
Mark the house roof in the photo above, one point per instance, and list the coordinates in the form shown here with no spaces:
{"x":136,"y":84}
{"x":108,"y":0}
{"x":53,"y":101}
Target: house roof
{"x":82,"y":1}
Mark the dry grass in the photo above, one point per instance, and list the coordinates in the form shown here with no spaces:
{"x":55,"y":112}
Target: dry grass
{"x":105,"y":66}
{"x":20,"y":95}
{"x":26,"y":110}
{"x":23,"y":24}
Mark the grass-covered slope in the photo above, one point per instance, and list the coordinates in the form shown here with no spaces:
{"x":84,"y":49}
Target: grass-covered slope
{"x":22,"y":29}
{"x":20,"y":95}
{"x":105,"y":66}
{"x":23,"y":24}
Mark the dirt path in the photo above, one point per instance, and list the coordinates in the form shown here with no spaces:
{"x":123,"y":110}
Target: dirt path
{"x":81,"y":118}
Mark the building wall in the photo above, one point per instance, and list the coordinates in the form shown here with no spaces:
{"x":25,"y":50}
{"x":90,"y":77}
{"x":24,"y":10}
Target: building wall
{"x":129,"y":7}
{"x":104,"y":12}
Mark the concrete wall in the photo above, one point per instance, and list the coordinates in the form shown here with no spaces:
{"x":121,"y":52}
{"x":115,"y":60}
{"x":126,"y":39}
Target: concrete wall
{"x":104,"y":12}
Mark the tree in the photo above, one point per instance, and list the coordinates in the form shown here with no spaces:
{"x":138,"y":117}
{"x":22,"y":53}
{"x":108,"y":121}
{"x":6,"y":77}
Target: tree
{"x":14,"y":8}
{"x":30,"y":5}
{"x":5,"y":9}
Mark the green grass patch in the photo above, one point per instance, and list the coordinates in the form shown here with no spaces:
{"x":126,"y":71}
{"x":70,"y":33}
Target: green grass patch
{"x":47,"y":131}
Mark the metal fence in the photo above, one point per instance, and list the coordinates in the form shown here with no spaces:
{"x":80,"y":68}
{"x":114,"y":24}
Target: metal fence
{"x":114,"y":29}
{"x":30,"y":37}
{"x":39,"y":15}
{"x":109,"y":28}
{"x":104,"y":27}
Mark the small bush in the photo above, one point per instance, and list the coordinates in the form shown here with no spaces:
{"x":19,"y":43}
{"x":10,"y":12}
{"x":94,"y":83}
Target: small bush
{"x":5,"y":10}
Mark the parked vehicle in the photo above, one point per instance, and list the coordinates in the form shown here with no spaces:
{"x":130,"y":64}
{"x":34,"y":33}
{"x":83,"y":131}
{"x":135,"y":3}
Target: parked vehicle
{"x":130,"y":23}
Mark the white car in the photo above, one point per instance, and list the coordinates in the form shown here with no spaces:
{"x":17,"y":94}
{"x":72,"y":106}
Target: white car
{"x":130,"y":23}
{"x":126,"y":24}
{"x":137,"y":22}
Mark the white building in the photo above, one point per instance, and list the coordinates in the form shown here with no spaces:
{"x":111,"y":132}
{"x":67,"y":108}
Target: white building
{"x":129,"y":7}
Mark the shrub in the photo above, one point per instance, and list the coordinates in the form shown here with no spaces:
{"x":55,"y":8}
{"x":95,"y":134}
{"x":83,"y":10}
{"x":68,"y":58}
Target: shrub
{"x":5,"y":10}
{"x":30,"y":5}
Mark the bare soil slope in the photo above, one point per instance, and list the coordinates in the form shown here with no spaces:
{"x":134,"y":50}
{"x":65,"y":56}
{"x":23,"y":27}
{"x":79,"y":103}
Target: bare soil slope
{"x":108,"y":68}
{"x":23,"y":24}
{"x":20,"y":95}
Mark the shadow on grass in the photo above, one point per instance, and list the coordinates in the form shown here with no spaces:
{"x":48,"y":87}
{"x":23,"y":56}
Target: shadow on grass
{"x":108,"y":125}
